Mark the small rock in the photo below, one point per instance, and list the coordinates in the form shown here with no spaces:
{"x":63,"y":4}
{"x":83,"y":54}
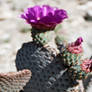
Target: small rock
{"x":88,"y":15}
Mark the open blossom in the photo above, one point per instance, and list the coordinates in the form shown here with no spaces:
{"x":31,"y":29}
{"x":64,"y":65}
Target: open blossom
{"x":44,"y":17}
{"x":87,"y":65}
{"x":76,"y":47}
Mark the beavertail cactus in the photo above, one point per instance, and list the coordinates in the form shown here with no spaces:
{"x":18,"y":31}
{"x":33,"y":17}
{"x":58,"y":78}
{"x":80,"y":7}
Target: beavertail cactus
{"x":71,"y":53}
{"x":14,"y":81}
{"x":48,"y":72}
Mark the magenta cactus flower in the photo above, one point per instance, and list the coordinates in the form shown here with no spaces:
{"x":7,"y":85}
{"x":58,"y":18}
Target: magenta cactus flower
{"x":87,"y":65}
{"x":76,"y":47}
{"x":44,"y":17}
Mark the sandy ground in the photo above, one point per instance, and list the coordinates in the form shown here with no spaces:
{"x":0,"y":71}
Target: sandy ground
{"x":12,"y":27}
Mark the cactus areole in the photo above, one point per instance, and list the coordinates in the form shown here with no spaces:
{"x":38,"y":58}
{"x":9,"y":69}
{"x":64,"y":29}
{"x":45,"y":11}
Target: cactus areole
{"x":43,"y":19}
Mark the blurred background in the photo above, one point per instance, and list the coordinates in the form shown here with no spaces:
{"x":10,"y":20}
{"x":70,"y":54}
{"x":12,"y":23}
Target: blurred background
{"x":14,"y":31}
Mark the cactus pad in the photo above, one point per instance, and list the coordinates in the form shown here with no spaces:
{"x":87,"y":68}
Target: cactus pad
{"x":48,"y":72}
{"x":14,"y":82}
